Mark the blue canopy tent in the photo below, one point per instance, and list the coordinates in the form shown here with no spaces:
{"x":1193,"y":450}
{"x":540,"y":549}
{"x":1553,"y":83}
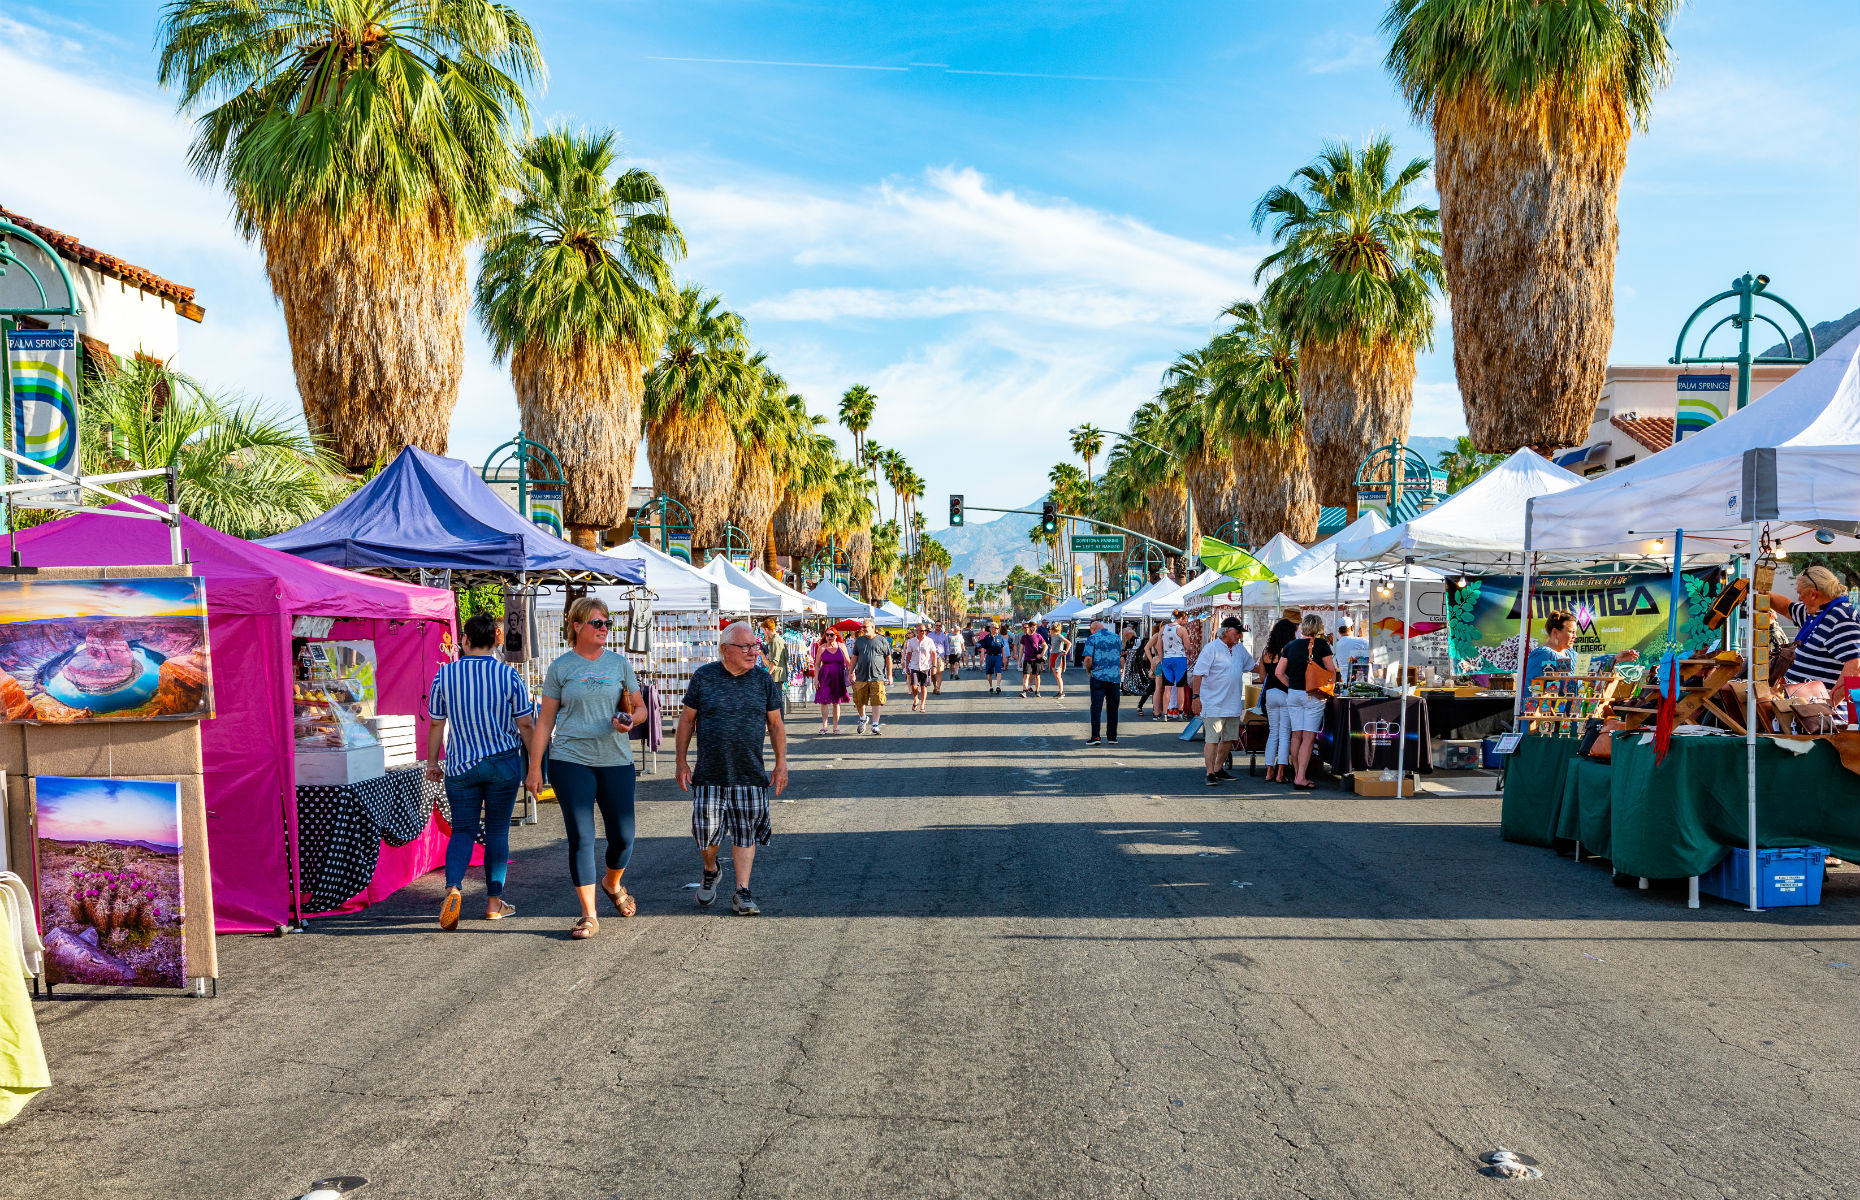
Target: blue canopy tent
{"x":427,"y":513}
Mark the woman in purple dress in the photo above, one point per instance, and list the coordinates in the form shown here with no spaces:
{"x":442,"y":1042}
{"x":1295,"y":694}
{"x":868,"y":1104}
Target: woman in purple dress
{"x":831,"y":669}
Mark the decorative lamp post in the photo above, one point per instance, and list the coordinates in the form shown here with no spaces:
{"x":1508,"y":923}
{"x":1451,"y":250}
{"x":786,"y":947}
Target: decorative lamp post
{"x":1747,"y":289}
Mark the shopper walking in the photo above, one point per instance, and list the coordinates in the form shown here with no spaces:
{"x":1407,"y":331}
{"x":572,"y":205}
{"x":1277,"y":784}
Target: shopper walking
{"x":1104,"y":667}
{"x":1058,"y":645}
{"x":872,"y":673}
{"x":731,"y":708}
{"x":993,"y":648}
{"x":590,"y":701}
{"x":940,"y":640}
{"x":1307,"y":665}
{"x":832,"y":673}
{"x":480,"y":712}
{"x":1272,"y":698}
{"x":920,"y":664}
{"x":1219,"y":685}
{"x":1032,"y":655}
{"x":1169,"y":651}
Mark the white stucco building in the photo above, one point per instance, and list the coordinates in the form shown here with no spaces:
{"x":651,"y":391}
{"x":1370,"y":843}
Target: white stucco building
{"x":127,"y":310}
{"x":1635,"y":413}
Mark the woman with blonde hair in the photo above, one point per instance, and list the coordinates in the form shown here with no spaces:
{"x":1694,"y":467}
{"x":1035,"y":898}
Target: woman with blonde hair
{"x":1304,"y":702}
{"x":591,"y":700}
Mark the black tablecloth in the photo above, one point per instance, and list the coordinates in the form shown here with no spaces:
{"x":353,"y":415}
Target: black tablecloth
{"x":1346,"y":746}
{"x":1445,"y":714}
{"x":340,"y":829}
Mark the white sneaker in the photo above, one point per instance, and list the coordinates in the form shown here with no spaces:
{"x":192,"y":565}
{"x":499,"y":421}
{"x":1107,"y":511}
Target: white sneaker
{"x":862,"y":724}
{"x":877,"y":728}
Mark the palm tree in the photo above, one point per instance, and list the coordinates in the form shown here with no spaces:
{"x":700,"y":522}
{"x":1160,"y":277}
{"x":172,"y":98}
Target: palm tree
{"x":1190,"y":427}
{"x":893,"y":466}
{"x":1532,"y":106}
{"x":885,"y":562}
{"x":1087,"y":441}
{"x":695,"y":398}
{"x":799,"y":518}
{"x":1464,"y":463}
{"x":1254,"y":402}
{"x":1353,"y":279}
{"x":1069,"y":493}
{"x":847,"y":511}
{"x":856,"y":409}
{"x":572,"y":289}
{"x":365,"y":144}
{"x":1162,"y":513}
{"x":244,"y":470}
{"x":765,"y":439}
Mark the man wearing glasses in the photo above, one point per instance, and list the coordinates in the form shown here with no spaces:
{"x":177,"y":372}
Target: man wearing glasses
{"x":731,"y":706}
{"x":872,"y":671}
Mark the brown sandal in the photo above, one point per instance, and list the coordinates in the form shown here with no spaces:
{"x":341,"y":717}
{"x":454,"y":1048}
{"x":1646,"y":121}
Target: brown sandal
{"x":503,"y":909}
{"x":584,"y":928}
{"x":623,"y":900}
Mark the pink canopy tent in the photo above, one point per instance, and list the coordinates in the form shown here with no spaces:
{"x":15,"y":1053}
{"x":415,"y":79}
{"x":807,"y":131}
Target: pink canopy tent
{"x":248,"y":745}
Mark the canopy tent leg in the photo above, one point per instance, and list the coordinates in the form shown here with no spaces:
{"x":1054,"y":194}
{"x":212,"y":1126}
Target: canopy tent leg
{"x":1750,"y":715}
{"x":1692,"y":891}
{"x":1524,"y":626}
{"x":1401,"y":684}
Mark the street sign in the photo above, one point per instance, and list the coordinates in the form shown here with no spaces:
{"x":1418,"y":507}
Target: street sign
{"x":1098,"y":543}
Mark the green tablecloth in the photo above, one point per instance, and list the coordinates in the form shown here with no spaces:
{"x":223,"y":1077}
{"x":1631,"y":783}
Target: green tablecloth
{"x":1534,"y":788}
{"x":1678,"y":818}
{"x":1584,"y":814}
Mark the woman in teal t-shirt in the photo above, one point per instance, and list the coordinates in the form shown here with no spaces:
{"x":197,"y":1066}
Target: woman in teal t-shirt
{"x":590,"y":701}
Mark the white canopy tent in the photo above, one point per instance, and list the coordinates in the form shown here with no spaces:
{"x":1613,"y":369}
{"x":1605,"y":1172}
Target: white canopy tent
{"x":840,"y":606}
{"x":1066,"y":610}
{"x":1482,"y":524}
{"x":1162,"y":605}
{"x":1278,"y":551}
{"x":676,"y":585}
{"x":1788,"y":463}
{"x":763,"y":600}
{"x":892,"y":615}
{"x":806,"y":603}
{"x":1137,"y":605}
{"x":1100,"y":609}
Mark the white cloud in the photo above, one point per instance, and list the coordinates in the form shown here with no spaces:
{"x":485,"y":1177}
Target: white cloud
{"x":1344,"y":52}
{"x":1437,"y":410}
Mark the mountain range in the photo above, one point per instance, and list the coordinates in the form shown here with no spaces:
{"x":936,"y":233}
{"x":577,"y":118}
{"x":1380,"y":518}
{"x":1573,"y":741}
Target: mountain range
{"x":1826,"y":334}
{"x":988,"y":550}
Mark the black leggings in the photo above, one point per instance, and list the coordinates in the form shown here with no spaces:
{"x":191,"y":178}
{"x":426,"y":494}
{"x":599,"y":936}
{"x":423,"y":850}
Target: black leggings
{"x":578,"y":790}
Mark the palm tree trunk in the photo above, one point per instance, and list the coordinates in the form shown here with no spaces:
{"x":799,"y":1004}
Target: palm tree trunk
{"x":693,"y":459}
{"x":1277,"y":493}
{"x":1355,"y":398}
{"x":1214,"y":480}
{"x":1529,"y":234}
{"x":584,"y":406}
{"x":755,"y":497}
{"x":797,"y":524}
{"x":375,"y":309}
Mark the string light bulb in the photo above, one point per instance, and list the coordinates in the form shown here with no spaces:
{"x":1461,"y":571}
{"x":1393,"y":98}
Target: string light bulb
{"x":1781,"y":553}
{"x":1659,"y":545}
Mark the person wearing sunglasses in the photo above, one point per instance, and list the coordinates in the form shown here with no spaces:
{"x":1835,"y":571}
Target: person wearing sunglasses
{"x":591,"y":700}
{"x":731,"y":706}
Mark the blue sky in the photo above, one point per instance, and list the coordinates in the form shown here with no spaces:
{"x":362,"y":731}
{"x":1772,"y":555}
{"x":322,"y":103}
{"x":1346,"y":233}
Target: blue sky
{"x":1006,"y":219}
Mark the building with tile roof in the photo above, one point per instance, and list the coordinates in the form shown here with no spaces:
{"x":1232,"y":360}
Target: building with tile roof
{"x":1635,"y":414}
{"x":127,"y":310}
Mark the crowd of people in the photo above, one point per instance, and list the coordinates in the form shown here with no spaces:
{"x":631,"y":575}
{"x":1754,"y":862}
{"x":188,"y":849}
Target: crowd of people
{"x":577,"y":735}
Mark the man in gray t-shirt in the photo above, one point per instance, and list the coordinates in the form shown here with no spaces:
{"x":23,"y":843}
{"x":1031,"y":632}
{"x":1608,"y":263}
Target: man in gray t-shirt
{"x":872,"y":670}
{"x":731,"y":706}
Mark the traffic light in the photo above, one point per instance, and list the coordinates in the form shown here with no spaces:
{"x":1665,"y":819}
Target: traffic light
{"x":1049,"y":517}
{"x":955,"y":511}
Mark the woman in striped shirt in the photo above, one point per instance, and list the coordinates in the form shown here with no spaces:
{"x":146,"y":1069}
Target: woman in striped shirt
{"x":481,"y":711}
{"x":1827,"y":642}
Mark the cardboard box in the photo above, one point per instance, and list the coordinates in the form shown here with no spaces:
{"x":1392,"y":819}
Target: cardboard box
{"x":1364,"y":784}
{"x":325,"y":766}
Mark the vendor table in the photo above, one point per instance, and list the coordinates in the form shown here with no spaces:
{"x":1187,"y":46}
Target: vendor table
{"x":1678,"y":818}
{"x":1584,"y":815}
{"x":1346,"y":747}
{"x":1534,"y":788}
{"x":1449,"y":713}
{"x":341,"y":828}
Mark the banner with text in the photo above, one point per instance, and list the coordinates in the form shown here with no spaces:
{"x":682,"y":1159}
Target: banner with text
{"x":1704,"y":400}
{"x":42,"y":373}
{"x":1612,"y":611}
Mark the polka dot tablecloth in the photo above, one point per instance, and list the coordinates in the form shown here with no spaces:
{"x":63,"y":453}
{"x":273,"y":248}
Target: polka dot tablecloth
{"x":340,"y":829}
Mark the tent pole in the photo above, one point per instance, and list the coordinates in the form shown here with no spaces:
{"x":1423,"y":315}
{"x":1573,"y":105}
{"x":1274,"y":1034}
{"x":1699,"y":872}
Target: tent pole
{"x":1524,"y":626}
{"x":1401,"y":686}
{"x":1750,"y":714}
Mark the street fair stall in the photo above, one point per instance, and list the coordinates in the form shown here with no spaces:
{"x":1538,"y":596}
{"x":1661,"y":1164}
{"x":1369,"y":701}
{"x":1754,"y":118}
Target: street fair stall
{"x":1278,"y":551}
{"x":765,"y":598}
{"x":1715,"y":727}
{"x":840,"y":606}
{"x":275,"y":621}
{"x":804,"y":604}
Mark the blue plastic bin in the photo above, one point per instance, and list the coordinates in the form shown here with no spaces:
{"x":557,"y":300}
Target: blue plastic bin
{"x":1489,"y":756}
{"x":1784,"y":877}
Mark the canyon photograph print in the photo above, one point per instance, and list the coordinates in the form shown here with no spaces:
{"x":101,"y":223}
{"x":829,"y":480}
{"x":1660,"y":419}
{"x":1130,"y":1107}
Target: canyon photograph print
{"x":104,"y":650}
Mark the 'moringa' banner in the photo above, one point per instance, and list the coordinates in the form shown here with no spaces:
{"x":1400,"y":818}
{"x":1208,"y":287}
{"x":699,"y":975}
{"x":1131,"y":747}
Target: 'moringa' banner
{"x":1613,"y":611}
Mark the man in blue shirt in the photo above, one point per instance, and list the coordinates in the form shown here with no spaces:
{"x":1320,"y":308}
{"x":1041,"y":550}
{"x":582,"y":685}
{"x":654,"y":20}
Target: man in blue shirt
{"x":1104,"y":659}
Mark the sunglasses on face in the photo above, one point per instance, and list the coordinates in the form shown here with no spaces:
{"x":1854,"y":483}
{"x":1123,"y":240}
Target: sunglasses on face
{"x":598,"y":623}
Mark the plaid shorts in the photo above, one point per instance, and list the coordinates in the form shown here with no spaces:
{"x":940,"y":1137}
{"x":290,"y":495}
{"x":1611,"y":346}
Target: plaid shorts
{"x":741,"y":809}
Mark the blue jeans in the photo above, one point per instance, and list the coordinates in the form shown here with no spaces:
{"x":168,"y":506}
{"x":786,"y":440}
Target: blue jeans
{"x":487,"y":793}
{"x":578,"y":791}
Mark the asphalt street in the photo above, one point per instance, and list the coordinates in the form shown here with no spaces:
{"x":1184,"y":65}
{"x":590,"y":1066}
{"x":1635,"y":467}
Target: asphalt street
{"x":993,"y":962}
